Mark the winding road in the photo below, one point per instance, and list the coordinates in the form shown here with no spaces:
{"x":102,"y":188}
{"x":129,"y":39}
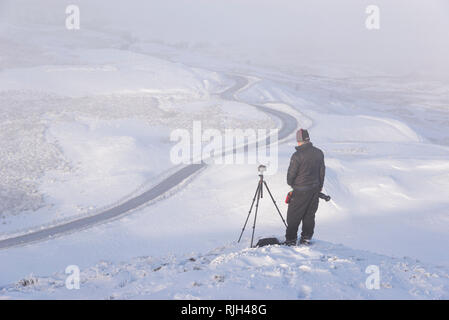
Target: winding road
{"x":289,"y":125}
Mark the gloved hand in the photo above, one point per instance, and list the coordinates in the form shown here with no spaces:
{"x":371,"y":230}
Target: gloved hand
{"x":289,"y":196}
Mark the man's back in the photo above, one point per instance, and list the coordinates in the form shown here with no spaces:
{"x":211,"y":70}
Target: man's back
{"x":307,"y":169}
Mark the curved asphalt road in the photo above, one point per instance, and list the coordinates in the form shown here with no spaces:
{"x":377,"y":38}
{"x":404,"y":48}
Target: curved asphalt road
{"x":289,"y":125}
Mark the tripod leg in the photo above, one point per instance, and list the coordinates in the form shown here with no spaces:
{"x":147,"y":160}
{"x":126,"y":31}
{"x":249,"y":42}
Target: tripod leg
{"x":269,"y":192}
{"x":250,"y":209}
{"x":255,"y":214}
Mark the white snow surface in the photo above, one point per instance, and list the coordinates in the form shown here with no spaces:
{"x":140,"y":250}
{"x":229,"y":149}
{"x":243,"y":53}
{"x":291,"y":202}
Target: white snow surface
{"x":85,"y":123}
{"x":325,"y":271}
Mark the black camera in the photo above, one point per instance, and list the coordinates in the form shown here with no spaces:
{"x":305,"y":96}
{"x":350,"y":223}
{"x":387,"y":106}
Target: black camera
{"x":324,"y":196}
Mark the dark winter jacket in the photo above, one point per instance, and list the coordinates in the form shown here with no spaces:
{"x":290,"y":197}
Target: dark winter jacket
{"x":307,"y":169}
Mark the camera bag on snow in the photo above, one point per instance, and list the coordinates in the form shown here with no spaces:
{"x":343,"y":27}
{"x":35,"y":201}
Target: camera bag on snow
{"x":267,"y":242}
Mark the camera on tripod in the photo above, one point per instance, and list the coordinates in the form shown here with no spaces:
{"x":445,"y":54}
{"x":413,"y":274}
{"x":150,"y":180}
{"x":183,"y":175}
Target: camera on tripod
{"x":257,"y":196}
{"x":262,"y":169}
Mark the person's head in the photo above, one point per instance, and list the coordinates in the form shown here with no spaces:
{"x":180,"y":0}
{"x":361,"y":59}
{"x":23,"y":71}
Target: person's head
{"x":302,"y":137}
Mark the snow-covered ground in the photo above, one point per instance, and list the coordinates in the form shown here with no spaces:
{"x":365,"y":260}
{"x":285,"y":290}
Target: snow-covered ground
{"x":85,"y":124}
{"x":327,"y":271}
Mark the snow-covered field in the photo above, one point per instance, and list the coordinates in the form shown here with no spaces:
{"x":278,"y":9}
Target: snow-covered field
{"x":85,"y":125}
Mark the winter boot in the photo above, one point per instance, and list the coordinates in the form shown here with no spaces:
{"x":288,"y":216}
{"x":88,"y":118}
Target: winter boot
{"x":289,"y":243}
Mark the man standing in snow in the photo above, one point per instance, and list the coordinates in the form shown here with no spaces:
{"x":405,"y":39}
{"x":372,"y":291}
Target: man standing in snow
{"x":306,"y":177}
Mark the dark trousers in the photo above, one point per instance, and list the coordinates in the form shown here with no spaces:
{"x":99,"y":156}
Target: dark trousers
{"x":302,"y":208}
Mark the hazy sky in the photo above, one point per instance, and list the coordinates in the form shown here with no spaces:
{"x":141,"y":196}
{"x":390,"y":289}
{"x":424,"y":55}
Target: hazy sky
{"x":413,"y":34}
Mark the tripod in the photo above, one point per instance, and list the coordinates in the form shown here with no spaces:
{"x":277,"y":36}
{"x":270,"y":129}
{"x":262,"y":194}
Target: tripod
{"x":259,"y":195}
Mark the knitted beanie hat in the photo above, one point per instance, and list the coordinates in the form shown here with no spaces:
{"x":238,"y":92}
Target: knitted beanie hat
{"x":302,"y":135}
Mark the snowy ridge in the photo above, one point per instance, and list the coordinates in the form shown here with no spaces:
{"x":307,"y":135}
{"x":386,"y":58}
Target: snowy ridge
{"x":321,"y":271}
